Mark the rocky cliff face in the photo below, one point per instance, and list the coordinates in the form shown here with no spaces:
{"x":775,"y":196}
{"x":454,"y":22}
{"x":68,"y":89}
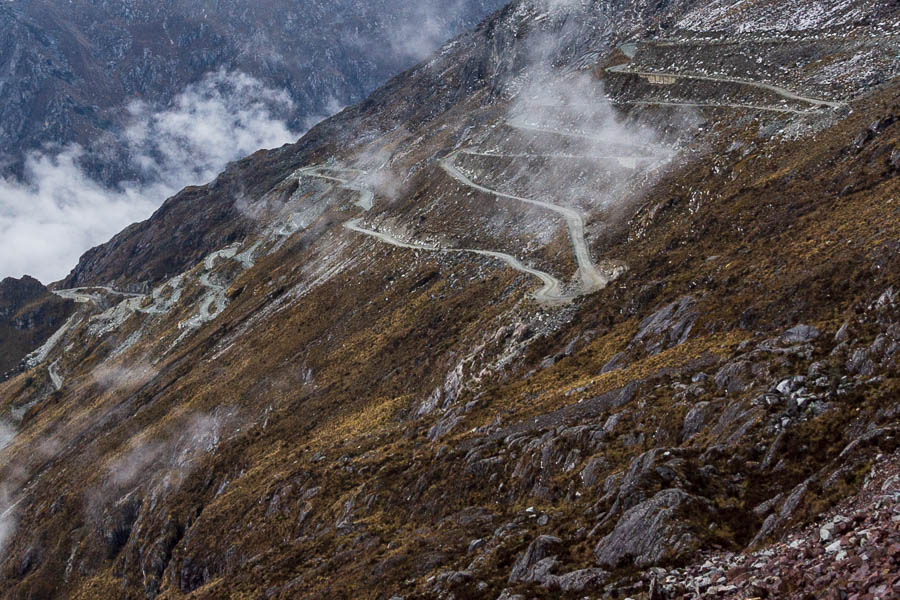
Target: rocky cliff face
{"x":68,"y":71}
{"x":600,"y":300}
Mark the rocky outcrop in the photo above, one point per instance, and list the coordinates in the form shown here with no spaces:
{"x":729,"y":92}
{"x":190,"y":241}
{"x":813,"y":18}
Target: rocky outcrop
{"x":667,"y":527}
{"x":537,"y":563}
{"x":667,"y":327}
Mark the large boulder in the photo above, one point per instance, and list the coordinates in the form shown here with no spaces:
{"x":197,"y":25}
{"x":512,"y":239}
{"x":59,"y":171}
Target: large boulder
{"x":536,"y":561}
{"x":696,"y":419}
{"x":735,"y":377}
{"x":665,"y":528}
{"x":801,"y":334}
{"x":652,"y":471}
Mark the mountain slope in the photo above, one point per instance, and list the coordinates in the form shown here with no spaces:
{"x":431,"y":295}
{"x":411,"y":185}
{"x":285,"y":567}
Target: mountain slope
{"x":390,"y":376}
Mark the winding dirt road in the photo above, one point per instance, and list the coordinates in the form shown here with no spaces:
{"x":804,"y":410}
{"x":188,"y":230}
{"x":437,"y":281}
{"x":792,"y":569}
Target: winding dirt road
{"x":625,"y":161}
{"x":783,"y":92}
{"x":81,"y":295}
{"x":777,"y":109}
{"x":366,"y":196}
{"x":592,"y":279}
{"x":550,"y":293}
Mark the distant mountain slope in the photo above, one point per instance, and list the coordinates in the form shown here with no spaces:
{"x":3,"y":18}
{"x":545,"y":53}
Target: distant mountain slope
{"x":29,"y":314}
{"x":68,"y":69}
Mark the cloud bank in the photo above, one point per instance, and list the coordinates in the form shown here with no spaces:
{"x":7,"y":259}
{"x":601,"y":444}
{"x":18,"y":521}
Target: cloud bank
{"x":57,"y":211}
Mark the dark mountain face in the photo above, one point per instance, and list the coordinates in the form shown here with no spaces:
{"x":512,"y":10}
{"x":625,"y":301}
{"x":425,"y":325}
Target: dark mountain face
{"x":68,"y":70}
{"x":29,"y":314}
{"x":598,"y":301}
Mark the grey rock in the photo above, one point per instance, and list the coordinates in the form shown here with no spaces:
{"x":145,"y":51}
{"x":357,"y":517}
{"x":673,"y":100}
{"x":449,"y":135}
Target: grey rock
{"x":457,"y":578}
{"x":577,"y":581}
{"x":886,"y":300}
{"x":444,"y":426}
{"x":784,"y":514}
{"x":667,"y":327}
{"x":843,"y":334}
{"x":653,"y":531}
{"x":618,"y":361}
{"x":764,"y":508}
{"x":696,"y":419}
{"x":590,"y":475}
{"x":699,"y":378}
{"x":610,"y":425}
{"x":530,"y":566}
{"x":734,"y":377}
{"x":860,"y":363}
{"x":647,"y":474}
{"x":895,"y":158}
{"x":535,"y":566}
{"x":801,"y":334}
{"x":790,"y":385}
{"x":816,"y":370}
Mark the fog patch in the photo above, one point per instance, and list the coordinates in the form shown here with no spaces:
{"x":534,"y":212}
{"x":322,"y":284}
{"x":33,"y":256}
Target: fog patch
{"x":7,"y":434}
{"x":331,"y":107}
{"x":166,"y":458}
{"x":427,"y":26}
{"x":58,"y":211}
{"x":377,"y":174}
{"x":420,"y":28}
{"x":597,"y":156}
{"x":8,"y":520}
{"x":119,"y":377}
{"x":225,"y":116}
{"x":13,"y":479}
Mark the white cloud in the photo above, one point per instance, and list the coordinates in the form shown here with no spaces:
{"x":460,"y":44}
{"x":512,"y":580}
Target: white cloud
{"x":225,"y":117}
{"x":414,"y":33}
{"x":48,"y":219}
{"x":166,"y":459}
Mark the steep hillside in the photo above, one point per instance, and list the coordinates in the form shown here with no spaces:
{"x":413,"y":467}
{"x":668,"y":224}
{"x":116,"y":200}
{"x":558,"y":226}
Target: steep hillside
{"x":599,"y":301}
